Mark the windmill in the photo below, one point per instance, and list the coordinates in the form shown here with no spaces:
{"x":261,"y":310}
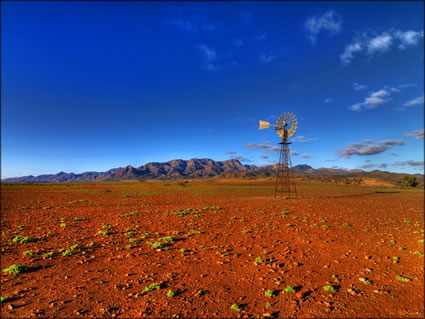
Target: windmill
{"x":285,"y":127}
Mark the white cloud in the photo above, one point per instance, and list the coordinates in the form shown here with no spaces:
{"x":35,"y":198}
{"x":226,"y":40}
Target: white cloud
{"x":379,"y":44}
{"x":372,"y":44}
{"x":328,"y":100}
{"x":418,"y":134}
{"x":408,"y":38}
{"x":375,"y":99}
{"x":358,"y":87}
{"x":329,"y":21}
{"x":415,"y":101}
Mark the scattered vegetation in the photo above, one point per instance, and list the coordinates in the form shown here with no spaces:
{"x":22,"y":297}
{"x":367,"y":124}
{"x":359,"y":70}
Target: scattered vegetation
{"x":235,"y":307}
{"x":401,"y":278}
{"x":269,"y":293}
{"x":16,"y":269}
{"x":150,"y":288}
{"x":329,"y":288}
{"x":170,"y":294}
{"x":22,"y":240}
{"x":48,"y":255}
{"x":68,"y":253}
{"x":30,"y":253}
{"x":289,"y":289}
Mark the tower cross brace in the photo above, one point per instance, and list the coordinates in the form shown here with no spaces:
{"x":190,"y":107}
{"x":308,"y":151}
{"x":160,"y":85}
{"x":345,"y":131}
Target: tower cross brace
{"x":285,"y":180}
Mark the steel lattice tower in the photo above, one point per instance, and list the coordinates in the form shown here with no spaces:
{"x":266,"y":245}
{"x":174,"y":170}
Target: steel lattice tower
{"x":285,"y":180}
{"x":285,"y":127}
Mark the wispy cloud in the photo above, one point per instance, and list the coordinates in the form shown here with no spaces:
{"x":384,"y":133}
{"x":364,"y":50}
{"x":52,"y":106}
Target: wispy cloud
{"x":263,"y":146}
{"x":418,"y":134}
{"x":358,"y":87}
{"x":271,"y":161}
{"x":231,"y":152}
{"x":246,"y":17}
{"x":263,"y":156}
{"x":209,"y":56}
{"x":266,"y":58}
{"x":306,"y":155}
{"x":366,"y":166}
{"x":242,"y":159}
{"x":407,"y":85}
{"x":372,"y":44}
{"x":260,"y":36}
{"x":328,"y":100}
{"x":409,"y":163}
{"x":362,"y":148}
{"x":375,"y":99}
{"x":330,"y":22}
{"x":302,"y":139}
{"x":238,"y":42}
{"x":416,"y":101}
{"x":294,"y":153}
{"x":194,"y":23}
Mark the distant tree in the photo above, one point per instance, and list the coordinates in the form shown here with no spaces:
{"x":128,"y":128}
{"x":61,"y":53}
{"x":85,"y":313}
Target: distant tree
{"x":409,"y":181}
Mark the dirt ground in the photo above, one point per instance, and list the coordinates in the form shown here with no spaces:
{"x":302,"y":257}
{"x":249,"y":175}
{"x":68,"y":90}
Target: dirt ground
{"x":211,"y":249}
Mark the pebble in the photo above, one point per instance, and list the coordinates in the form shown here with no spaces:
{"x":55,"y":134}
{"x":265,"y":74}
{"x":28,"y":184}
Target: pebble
{"x":11,"y":306}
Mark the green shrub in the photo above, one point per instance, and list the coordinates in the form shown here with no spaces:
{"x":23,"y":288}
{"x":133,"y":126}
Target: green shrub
{"x":67,"y":252}
{"x":329,"y":288}
{"x":16,"y":269}
{"x":289,"y":289}
{"x":401,"y":278}
{"x":170,"y":294}
{"x":21,"y":239}
{"x":235,"y":307}
{"x":30,"y":253}
{"x":154,"y":286}
{"x":269,"y":293}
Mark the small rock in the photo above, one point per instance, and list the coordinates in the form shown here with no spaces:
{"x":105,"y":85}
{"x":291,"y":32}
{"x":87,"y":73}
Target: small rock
{"x":11,"y":306}
{"x":267,"y":315}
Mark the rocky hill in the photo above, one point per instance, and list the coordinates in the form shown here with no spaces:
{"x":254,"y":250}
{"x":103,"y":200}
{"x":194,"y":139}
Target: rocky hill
{"x":199,"y":168}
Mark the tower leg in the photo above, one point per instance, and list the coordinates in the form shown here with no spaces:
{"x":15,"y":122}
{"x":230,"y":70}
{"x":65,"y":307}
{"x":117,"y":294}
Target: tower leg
{"x":285,"y":180}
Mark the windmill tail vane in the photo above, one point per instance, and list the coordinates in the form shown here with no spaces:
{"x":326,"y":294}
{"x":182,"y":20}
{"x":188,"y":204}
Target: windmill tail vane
{"x":263,"y":125}
{"x":285,"y":127}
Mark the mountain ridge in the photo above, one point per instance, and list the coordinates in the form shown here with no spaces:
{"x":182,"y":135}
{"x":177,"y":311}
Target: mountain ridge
{"x":198,"y":168}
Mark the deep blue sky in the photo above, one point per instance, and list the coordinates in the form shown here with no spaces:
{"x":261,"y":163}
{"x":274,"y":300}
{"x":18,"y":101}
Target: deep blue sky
{"x":96,"y":85}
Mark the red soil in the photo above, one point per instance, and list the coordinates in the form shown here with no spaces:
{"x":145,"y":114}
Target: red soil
{"x":240,"y":222}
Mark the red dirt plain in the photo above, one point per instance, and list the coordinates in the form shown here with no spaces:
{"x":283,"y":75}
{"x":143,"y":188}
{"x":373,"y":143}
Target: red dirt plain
{"x":347,"y":237}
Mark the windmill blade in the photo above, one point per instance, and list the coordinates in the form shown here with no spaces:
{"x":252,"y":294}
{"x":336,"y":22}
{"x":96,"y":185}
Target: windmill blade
{"x":263,"y":125}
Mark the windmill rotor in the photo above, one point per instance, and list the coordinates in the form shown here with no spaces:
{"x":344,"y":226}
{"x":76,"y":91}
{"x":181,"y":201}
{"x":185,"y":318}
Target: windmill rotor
{"x":286,"y":123}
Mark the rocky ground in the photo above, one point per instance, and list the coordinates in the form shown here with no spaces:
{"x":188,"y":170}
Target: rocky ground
{"x":211,"y":249}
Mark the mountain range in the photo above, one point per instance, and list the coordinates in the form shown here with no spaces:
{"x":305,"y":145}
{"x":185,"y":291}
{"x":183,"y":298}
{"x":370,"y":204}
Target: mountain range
{"x":199,"y":168}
